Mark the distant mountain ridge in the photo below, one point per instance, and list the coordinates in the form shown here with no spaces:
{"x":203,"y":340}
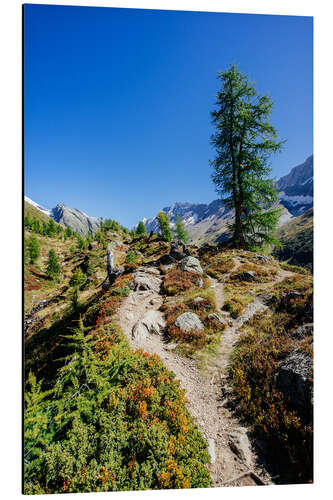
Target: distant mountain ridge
{"x":77,"y":220}
{"x":209,"y":222}
{"x":204,"y":222}
{"x":296,"y":188}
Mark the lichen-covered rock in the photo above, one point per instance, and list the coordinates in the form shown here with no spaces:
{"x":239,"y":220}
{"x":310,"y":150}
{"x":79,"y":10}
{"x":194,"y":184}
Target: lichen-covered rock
{"x":189,"y":321}
{"x":293,"y":380}
{"x":191,"y":264}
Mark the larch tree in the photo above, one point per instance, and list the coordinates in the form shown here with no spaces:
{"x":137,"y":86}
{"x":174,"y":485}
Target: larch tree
{"x":53,"y":269}
{"x":141,"y":229}
{"x":244,"y":141}
{"x":164,"y":226}
{"x":180,"y":230}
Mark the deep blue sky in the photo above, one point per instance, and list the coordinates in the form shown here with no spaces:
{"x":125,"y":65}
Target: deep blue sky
{"x":118,"y":101}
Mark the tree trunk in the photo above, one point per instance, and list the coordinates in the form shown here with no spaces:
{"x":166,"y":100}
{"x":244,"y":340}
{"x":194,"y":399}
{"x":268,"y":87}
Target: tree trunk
{"x":238,"y":236}
{"x":113,"y":273}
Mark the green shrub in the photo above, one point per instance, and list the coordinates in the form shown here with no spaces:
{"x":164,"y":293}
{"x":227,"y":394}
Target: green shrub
{"x":33,"y":249}
{"x":131,"y":257}
{"x":53,"y":269}
{"x":78,"y":278}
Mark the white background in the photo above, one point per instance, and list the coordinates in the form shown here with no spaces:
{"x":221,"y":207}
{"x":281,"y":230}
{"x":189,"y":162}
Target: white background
{"x":10,"y":261}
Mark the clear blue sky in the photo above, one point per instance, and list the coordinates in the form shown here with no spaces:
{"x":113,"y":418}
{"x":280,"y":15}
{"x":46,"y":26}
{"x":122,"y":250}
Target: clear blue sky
{"x":118,"y":101}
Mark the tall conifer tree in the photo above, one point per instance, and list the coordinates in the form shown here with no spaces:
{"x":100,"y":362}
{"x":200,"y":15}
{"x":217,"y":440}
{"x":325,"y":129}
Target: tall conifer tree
{"x":244,"y":141}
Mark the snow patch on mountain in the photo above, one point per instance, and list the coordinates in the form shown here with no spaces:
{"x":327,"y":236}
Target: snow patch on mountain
{"x":46,"y":211}
{"x":297,"y":199}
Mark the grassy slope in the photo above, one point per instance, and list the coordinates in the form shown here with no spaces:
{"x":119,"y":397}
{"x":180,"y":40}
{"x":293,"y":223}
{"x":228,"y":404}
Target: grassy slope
{"x":297,"y":239}
{"x":33,"y":212}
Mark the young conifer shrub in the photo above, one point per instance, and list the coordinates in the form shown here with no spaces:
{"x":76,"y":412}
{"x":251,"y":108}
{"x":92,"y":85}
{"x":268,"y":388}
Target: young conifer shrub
{"x":33,"y":249}
{"x":164,"y":225}
{"x":53,"y":269}
{"x":141,"y":229}
{"x":78,"y":278}
{"x":180,"y":230}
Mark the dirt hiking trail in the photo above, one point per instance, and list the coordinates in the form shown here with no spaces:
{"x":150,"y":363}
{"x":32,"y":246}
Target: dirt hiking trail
{"x":233,"y":461}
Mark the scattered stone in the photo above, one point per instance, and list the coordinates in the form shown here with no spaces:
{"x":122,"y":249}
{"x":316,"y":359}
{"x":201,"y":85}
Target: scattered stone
{"x":200,"y":283}
{"x":170,"y":347}
{"x":92,"y":245}
{"x":198,"y":299}
{"x":189,"y":321}
{"x":211,"y":449}
{"x":240,"y":445}
{"x":214,"y":317}
{"x":154,"y":301}
{"x":263,"y":258}
{"x":293,"y":380}
{"x":152,"y":322}
{"x":191,"y":264}
{"x":139,"y":331}
{"x":302,"y":331}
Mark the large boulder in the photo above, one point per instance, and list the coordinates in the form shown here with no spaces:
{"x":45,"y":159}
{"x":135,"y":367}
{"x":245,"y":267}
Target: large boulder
{"x":152,"y":322}
{"x":146,"y":279}
{"x":191,"y":264}
{"x":189,"y":321}
{"x":293,"y":380}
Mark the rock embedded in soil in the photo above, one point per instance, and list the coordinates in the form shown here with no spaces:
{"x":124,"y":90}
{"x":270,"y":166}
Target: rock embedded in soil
{"x":240,"y":445}
{"x":151,"y":322}
{"x":211,"y":450}
{"x":146,"y":279}
{"x":189,"y":321}
{"x":198,"y":299}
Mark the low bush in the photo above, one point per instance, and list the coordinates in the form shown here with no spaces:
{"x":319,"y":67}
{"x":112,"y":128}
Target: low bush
{"x":177,"y":281}
{"x":218,"y":265}
{"x":234,"y":307}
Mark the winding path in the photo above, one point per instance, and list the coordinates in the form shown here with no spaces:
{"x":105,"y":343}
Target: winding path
{"x":233,"y":460}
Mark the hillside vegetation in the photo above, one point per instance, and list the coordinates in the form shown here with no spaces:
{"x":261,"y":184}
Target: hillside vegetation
{"x":104,"y":415}
{"x":297,"y":239}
